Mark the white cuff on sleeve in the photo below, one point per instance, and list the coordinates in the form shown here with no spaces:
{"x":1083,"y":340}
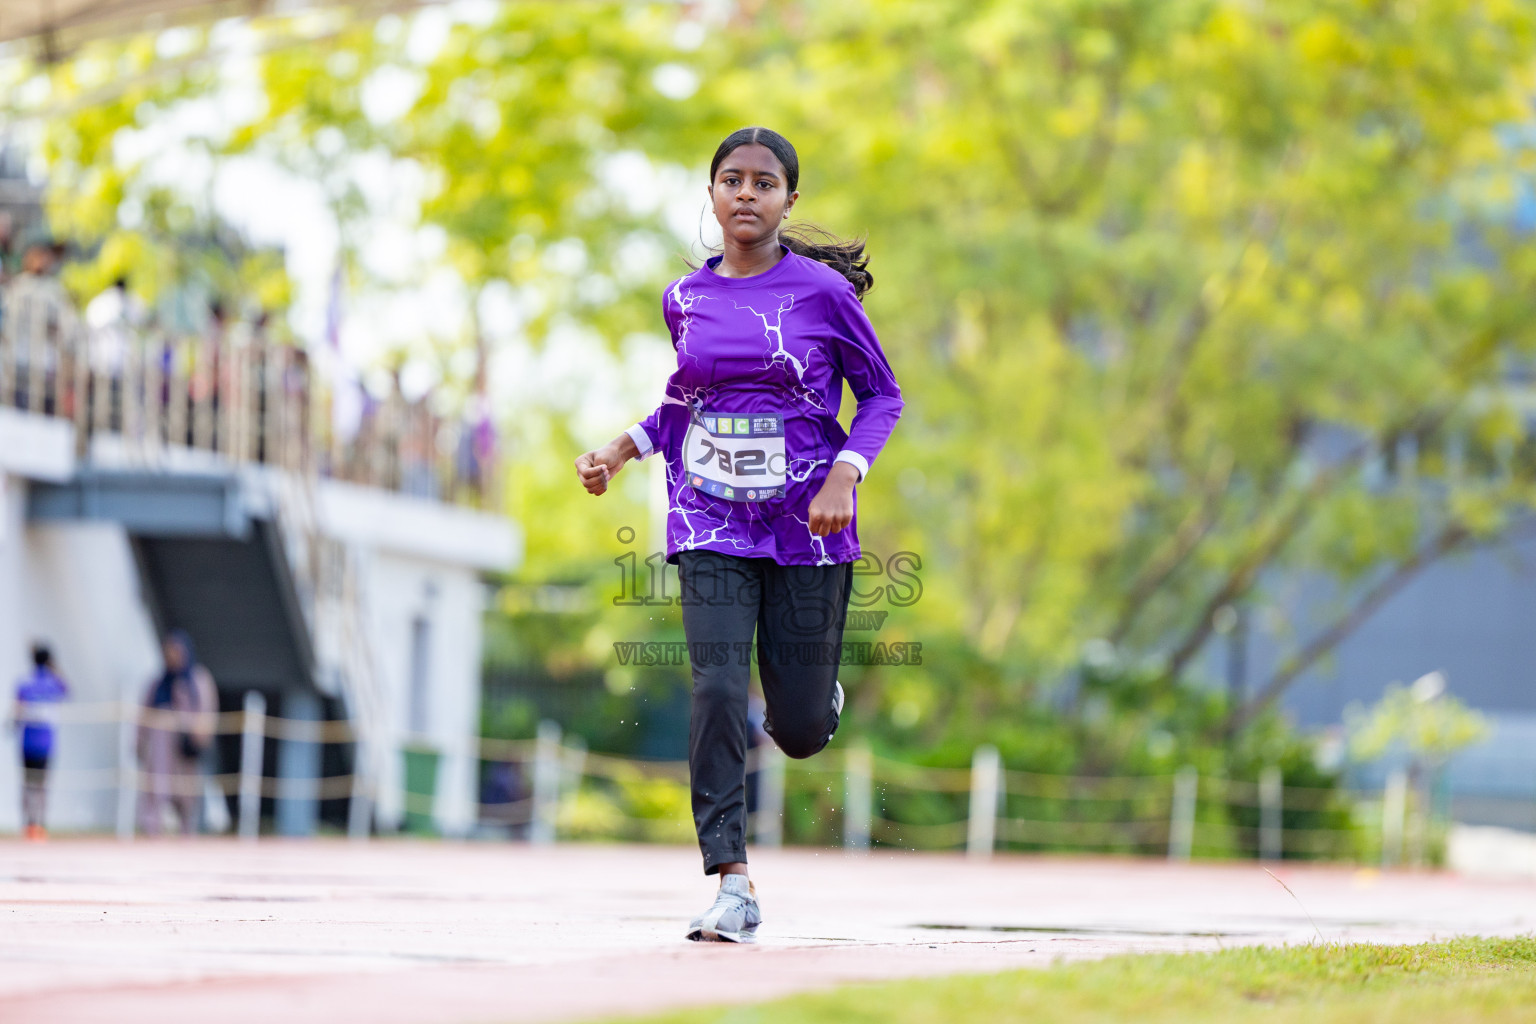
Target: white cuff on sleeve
{"x":855,"y":460}
{"x":642,"y":440}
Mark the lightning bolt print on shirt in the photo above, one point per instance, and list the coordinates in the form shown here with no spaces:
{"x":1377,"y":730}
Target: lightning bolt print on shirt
{"x":748,"y":422}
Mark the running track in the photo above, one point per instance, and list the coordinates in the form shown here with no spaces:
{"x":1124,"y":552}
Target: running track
{"x":417,"y":932}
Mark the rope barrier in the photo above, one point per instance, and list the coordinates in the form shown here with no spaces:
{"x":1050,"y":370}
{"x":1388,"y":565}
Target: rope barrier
{"x":1085,"y":787}
{"x":305,"y":730}
{"x":506,"y":750}
{"x":683,"y":826}
{"x":1083,"y":801}
{"x":509,"y":812}
{"x":1085,"y":833}
{"x":622,"y":769}
{"x":1302,"y":798}
{"x":913,"y":776}
{"x":928,"y":837}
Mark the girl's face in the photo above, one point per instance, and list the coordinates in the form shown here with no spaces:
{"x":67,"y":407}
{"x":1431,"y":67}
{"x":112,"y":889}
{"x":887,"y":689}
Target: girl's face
{"x":751,"y":194}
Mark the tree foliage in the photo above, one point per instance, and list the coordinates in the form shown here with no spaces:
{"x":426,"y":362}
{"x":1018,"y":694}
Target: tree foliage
{"x":1430,"y":727}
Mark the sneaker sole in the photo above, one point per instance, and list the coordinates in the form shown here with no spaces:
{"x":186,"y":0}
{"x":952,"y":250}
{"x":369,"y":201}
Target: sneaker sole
{"x":710,"y":935}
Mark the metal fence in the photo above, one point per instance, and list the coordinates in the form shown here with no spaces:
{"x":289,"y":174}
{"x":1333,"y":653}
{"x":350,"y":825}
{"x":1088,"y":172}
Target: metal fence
{"x":238,"y":394}
{"x":1179,"y":816}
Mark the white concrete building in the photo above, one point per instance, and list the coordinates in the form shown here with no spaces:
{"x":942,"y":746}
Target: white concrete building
{"x":332,"y":599}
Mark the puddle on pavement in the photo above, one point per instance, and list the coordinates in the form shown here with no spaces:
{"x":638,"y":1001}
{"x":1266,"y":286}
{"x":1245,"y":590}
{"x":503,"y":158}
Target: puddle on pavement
{"x":1029,"y":929}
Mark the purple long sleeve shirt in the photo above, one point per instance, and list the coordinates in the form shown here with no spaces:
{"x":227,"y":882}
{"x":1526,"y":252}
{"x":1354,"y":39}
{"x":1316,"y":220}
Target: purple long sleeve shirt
{"x":748,"y":425}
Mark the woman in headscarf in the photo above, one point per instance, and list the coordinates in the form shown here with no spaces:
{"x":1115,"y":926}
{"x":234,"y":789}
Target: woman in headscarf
{"x":175,"y":729}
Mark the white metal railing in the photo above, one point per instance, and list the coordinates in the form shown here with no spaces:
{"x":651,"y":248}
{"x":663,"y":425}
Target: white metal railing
{"x":1175,"y":815}
{"x":238,"y":395}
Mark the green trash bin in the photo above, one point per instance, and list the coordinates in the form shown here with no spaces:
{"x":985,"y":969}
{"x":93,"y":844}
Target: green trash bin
{"x":420,"y":789}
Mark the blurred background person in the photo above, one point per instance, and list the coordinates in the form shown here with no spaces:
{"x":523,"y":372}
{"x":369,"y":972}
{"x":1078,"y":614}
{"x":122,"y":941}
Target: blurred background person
{"x":113,"y":318}
{"x":38,"y":696}
{"x":500,"y":788}
{"x":38,"y":318}
{"x":296,"y":393}
{"x":204,"y":375}
{"x":418,"y":449}
{"x":176,"y":729}
{"x":7,"y":247}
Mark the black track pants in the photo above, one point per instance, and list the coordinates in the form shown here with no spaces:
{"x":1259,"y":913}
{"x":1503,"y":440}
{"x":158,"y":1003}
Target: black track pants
{"x":797,"y":612}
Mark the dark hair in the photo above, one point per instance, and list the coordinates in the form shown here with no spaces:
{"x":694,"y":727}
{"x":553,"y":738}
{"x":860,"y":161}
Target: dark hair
{"x":183,"y":639}
{"x":41,"y":655}
{"x":846,"y":256}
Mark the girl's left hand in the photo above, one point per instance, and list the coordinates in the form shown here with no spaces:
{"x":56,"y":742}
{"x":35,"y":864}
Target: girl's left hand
{"x":832,"y":508}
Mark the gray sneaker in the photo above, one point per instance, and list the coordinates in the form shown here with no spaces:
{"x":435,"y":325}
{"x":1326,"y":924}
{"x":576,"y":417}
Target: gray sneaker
{"x":733,"y":918}
{"x":837,"y":707}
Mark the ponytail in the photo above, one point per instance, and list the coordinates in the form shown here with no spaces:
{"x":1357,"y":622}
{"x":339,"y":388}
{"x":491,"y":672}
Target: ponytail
{"x":846,"y":256}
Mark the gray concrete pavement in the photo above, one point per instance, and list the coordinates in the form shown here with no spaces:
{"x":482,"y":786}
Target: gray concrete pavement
{"x":400,"y":931}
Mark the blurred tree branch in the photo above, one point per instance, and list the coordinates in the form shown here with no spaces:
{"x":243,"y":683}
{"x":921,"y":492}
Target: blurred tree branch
{"x":1452,"y":538}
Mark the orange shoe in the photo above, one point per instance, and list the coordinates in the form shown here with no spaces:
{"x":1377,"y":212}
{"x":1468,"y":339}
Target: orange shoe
{"x":36,"y":834}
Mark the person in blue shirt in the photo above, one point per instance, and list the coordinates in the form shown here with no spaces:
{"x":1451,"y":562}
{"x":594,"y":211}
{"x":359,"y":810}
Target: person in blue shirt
{"x":38,"y":696}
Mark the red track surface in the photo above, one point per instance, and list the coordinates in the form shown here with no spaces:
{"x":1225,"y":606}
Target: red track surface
{"x":410,"y":932}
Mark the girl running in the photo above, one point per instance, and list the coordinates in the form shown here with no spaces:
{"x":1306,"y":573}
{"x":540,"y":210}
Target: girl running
{"x":760,"y":478}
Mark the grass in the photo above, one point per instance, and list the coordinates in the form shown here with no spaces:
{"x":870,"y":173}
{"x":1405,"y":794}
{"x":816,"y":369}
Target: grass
{"x":1464,"y":980}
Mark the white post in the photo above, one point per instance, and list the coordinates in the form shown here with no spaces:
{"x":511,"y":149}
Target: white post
{"x":573,"y":767}
{"x":1394,"y":805}
{"x":1415,"y":824}
{"x":986,"y":788}
{"x":1181,"y":822}
{"x":858,"y":796}
{"x":359,"y":804}
{"x":1271,"y":793}
{"x":127,"y":765}
{"x":768,"y":826}
{"x":253,"y":735}
{"x":546,"y":784}
{"x":299,"y":763}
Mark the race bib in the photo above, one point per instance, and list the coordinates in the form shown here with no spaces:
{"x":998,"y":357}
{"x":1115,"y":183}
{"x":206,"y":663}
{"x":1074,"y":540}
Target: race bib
{"x":738,"y":457}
